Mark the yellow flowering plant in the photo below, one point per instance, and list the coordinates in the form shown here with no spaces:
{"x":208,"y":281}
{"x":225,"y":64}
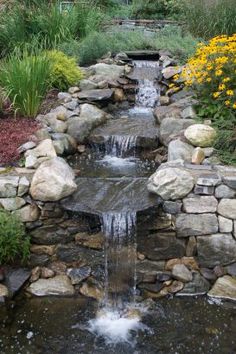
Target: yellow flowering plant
{"x":211,"y":72}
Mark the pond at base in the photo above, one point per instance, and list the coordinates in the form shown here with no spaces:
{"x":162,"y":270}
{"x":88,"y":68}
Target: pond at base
{"x":61,"y":326}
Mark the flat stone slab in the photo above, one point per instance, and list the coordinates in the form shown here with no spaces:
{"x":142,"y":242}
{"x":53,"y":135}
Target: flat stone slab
{"x":57,"y":286}
{"x":97,"y":196}
{"x":144,"y":130}
{"x":224,"y":288}
{"x":95,"y":95}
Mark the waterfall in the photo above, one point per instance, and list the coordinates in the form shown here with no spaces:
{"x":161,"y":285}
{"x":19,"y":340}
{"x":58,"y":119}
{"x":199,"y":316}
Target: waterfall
{"x":148,"y":93}
{"x":120,"y":258}
{"x":120,"y":145}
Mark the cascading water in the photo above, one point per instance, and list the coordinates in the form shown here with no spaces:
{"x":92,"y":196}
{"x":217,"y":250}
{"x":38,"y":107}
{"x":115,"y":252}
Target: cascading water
{"x":148,"y":92}
{"x":120,"y":145}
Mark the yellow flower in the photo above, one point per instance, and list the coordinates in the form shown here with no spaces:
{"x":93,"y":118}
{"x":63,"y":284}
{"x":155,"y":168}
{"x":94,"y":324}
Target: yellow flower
{"x":234,"y":105}
{"x":222,"y":87}
{"x":227,"y":102}
{"x":219,"y":72}
{"x":209,"y":79}
{"x":226,"y":79}
{"x":216,"y":94}
{"x":229,"y":92}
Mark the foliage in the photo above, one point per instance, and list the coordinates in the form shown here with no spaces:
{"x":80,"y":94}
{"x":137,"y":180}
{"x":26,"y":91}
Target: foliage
{"x":212,"y":73}
{"x":209,"y":18}
{"x":96,"y":45}
{"x":153,"y":9}
{"x":25,"y":79}
{"x":13,"y":241}
{"x":64,"y":70}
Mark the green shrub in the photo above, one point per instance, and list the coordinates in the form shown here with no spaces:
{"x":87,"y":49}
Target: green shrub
{"x":25,"y":79}
{"x":96,"y":45}
{"x":208,"y":18}
{"x":64,"y":70}
{"x":14,"y":243}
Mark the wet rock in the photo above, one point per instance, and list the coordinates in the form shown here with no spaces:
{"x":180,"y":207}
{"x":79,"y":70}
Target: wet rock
{"x":191,"y":248}
{"x":77,"y":275}
{"x":47,"y":273}
{"x":154,"y":288}
{"x":49,"y":235}
{"x":44,"y":249}
{"x":92,"y":289}
{"x":216,"y":249}
{"x":60,"y":285}
{"x":175,"y":287}
{"x":8,"y":186}
{"x":219,"y":271}
{"x":227,"y":208}
{"x":95,"y":241}
{"x":23,"y":187}
{"x":171,"y":183}
{"x":28,"y":213}
{"x":231,"y":269}
{"x":108,"y":71}
{"x":194,"y":225}
{"x":161,"y":246}
{"x":15,"y":279}
{"x":224,"y":191}
{"x":72,"y":253}
{"x":35,"y":274}
{"x":177,"y":149}
{"x":172,"y":128}
{"x":11,"y":204}
{"x":3,"y":291}
{"x":52,"y":181}
{"x":172,"y":207}
{"x":96,"y":95}
{"x":200,"y":204}
{"x":189,"y":262}
{"x":147,"y":271}
{"x":198,"y":286}
{"x":208,"y":274}
{"x":119,"y":95}
{"x":181,"y":272}
{"x":224,"y":288}
{"x":90,"y":118}
{"x":225,"y":225}
{"x":200,"y":135}
{"x":198,"y":156}
{"x":44,"y":149}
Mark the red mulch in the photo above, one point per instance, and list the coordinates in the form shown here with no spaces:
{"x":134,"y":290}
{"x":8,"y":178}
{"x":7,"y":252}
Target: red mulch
{"x":13,"y":133}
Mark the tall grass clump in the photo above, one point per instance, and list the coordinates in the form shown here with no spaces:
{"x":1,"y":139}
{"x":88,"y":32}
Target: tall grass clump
{"x":25,"y":79}
{"x":95,"y":45}
{"x":208,"y":18}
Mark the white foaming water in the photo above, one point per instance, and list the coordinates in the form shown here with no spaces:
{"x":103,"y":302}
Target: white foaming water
{"x":118,"y":162}
{"x":116,"y":328}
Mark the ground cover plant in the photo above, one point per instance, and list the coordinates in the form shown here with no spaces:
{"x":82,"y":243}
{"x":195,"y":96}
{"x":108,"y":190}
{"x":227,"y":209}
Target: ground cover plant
{"x":14,"y":244}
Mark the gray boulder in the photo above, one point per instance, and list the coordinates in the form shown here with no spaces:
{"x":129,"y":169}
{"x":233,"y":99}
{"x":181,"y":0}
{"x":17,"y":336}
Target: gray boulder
{"x":224,"y":288}
{"x":200,"y":135}
{"x":172,"y":128}
{"x":227,"y":208}
{"x":57,"y":286}
{"x":8,"y":186}
{"x":194,"y":225}
{"x":108,"y":71}
{"x":177,"y":149}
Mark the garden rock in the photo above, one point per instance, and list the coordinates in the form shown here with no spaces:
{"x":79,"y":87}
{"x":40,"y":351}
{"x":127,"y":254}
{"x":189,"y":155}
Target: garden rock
{"x":200,"y":135}
{"x":64,"y":96}
{"x":27,"y":146}
{"x":188,"y":113}
{"x":109,"y":71}
{"x":177,"y":149}
{"x":231,"y":181}
{"x":163,"y":112}
{"x":224,"y":288}
{"x":225,"y":225}
{"x":91,"y":289}
{"x":198,"y":286}
{"x":3,"y":291}
{"x":31,"y":162}
{"x":227,"y":208}
{"x":86,"y":85}
{"x":23,"y":187}
{"x":95,"y":95}
{"x":60,"y":285}
{"x":64,"y":144}
{"x":29,"y":213}
{"x":181,"y":272}
{"x":11,"y":204}
{"x":171,"y":128}
{"x":198,"y":156}
{"x":44,"y":149}
{"x":8,"y":186}
{"x":171,"y":71}
{"x":53,"y":180}
{"x":16,"y":278}
{"x":200,"y":204}
{"x":77,"y":275}
{"x":90,"y":117}
{"x":216,"y":249}
{"x":224,"y":191}
{"x":194,"y":225}
{"x":171,"y":183}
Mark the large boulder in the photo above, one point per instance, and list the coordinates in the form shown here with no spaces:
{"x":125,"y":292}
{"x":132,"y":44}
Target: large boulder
{"x":90,"y":118}
{"x":177,"y":149}
{"x":218,"y":249}
{"x":200,"y":135}
{"x":44,"y":149}
{"x":57,"y":286}
{"x":171,"y":183}
{"x":172,"y":128}
{"x":52,"y":181}
{"x":108,"y":71}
